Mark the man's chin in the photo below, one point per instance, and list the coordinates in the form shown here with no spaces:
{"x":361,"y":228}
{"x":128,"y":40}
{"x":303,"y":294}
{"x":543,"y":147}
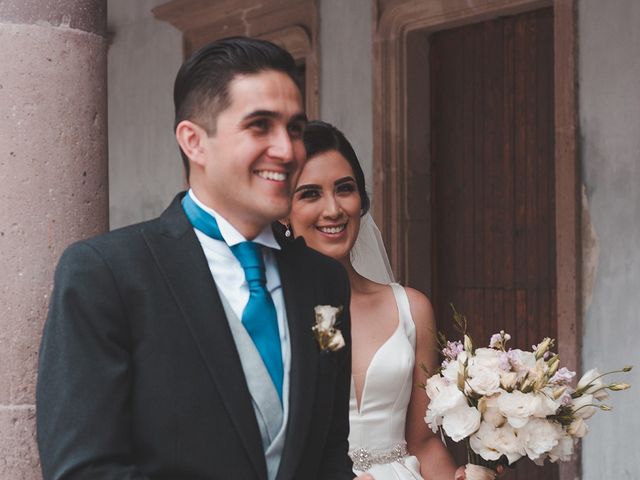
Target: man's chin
{"x":277,"y":212}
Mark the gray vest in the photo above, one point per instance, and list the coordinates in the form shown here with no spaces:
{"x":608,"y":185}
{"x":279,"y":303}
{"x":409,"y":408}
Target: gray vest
{"x":264,"y":397}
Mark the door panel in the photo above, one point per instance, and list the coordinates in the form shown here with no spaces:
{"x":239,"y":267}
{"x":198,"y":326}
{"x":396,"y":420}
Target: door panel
{"x":492,"y":154}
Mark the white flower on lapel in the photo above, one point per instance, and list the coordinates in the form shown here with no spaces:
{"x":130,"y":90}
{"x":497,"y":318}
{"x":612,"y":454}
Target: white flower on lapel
{"x":328,"y":336}
{"x":336,"y":342}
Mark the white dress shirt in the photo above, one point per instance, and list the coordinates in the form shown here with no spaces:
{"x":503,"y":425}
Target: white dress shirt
{"x":231,"y":283}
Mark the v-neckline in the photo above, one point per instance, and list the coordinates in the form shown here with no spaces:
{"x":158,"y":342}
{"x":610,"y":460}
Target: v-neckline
{"x":373,"y":358}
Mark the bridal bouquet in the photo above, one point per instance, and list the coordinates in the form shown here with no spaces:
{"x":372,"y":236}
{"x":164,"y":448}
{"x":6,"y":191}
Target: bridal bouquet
{"x":509,"y":403}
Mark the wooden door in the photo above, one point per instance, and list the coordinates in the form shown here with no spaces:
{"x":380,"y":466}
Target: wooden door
{"x":492,"y":133}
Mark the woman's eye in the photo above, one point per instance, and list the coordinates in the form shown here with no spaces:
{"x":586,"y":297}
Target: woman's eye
{"x":309,"y":194}
{"x":346,"y":188}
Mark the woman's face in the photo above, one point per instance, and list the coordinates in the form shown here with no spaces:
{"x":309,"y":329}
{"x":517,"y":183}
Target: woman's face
{"x":326,"y":205}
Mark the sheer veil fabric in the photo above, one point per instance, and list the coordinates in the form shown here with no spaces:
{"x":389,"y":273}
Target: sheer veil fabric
{"x":368,"y":255}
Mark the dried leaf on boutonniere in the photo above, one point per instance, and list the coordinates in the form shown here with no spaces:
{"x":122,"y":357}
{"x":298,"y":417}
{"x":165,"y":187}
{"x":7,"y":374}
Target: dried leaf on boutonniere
{"x":328,"y":336}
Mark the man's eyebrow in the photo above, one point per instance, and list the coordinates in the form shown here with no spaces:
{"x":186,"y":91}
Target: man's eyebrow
{"x":261,"y":113}
{"x":309,"y":186}
{"x":300,"y":117}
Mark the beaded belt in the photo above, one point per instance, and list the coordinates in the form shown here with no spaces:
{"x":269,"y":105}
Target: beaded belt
{"x":364,"y":459}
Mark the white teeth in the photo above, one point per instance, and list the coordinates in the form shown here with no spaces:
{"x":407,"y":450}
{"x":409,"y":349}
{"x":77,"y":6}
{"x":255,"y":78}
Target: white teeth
{"x":332,"y":229}
{"x":269,"y":175}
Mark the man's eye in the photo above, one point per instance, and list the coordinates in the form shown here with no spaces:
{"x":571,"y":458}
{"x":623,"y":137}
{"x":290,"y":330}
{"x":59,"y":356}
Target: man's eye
{"x":296,"y":130}
{"x":261,"y":124}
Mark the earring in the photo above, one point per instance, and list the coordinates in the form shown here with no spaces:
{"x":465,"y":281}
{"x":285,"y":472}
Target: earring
{"x":287,"y":232}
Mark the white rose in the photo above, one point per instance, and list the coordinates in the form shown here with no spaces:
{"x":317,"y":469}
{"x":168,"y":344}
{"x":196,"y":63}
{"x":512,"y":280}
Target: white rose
{"x":596,"y":387}
{"x":578,"y":428}
{"x":522,"y":361}
{"x":432,"y":420}
{"x":435,"y":383}
{"x":540,"y":436}
{"x":563,"y":450}
{"x":581,"y":406}
{"x":484,"y":440}
{"x":518,"y":407}
{"x":490,"y":412}
{"x":461,"y":422}
{"x":454,"y":367}
{"x":336,"y":342}
{"x":547,"y":405}
{"x":478,"y":472}
{"x":486,"y":357}
{"x":491,"y":442}
{"x":510,"y":444}
{"x":448,"y":399}
{"x":326,"y":316}
{"x":483,"y":380}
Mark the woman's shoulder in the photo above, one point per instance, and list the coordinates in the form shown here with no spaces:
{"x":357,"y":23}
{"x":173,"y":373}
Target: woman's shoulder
{"x":421,"y":309}
{"x":418,"y":301}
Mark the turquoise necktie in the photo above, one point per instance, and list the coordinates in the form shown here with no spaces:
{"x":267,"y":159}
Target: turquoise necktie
{"x":259,"y":315}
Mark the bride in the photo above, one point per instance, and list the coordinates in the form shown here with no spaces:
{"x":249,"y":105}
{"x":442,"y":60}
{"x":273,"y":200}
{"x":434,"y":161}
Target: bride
{"x":392,"y":326}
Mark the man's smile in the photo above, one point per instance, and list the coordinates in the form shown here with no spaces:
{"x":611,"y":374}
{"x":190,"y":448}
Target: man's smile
{"x":272,"y":175}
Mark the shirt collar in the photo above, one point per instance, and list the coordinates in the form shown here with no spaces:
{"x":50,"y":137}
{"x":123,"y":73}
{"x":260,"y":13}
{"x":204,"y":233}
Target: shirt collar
{"x":231,"y":235}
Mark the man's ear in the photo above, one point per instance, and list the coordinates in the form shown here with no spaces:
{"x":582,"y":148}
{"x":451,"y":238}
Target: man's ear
{"x":190,"y":137}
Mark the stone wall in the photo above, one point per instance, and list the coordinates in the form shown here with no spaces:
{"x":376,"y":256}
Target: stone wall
{"x":53,"y":185}
{"x":609,"y":114}
{"x":145,"y":168}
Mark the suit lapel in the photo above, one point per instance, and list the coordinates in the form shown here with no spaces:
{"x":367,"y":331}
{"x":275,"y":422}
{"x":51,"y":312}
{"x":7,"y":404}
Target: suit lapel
{"x":300,"y":317}
{"x":179,"y":256}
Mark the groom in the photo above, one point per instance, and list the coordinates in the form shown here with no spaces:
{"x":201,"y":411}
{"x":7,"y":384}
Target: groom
{"x":182,"y":348}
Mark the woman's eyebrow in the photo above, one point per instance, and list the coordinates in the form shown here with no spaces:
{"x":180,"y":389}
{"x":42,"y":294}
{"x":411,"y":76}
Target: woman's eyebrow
{"x":342,"y":180}
{"x":309,"y":186}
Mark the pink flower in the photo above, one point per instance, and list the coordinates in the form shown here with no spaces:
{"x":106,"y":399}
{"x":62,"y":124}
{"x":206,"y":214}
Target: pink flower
{"x":562,"y":376}
{"x":498,"y":340}
{"x":495,"y":340}
{"x":452,"y":350}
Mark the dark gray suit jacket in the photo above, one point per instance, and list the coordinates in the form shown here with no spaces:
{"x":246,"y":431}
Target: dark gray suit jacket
{"x":140,"y":378}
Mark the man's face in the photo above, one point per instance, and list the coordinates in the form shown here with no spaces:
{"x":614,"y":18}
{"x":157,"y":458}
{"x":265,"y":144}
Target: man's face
{"x":253,"y":160}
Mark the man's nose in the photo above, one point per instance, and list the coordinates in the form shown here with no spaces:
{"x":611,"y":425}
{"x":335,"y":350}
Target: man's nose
{"x":281,"y":145}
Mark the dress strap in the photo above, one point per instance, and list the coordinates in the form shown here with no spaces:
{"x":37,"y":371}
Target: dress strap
{"x":404,"y":312}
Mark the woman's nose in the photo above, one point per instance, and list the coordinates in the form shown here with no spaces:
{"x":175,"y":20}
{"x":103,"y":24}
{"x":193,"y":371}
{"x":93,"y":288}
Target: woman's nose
{"x":332,"y":208}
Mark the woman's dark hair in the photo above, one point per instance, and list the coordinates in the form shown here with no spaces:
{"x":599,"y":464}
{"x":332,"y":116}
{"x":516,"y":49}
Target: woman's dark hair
{"x":201,"y":88}
{"x":320,"y":137}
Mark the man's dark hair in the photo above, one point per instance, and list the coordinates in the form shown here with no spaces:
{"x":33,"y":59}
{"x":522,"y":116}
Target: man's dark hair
{"x":201,"y":88}
{"x":320,"y":137}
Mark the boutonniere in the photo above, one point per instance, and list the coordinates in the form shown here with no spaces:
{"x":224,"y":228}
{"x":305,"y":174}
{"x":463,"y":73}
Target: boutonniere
{"x":328,"y":336}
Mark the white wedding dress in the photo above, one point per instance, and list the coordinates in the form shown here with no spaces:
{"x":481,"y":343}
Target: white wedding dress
{"x":376,"y":440}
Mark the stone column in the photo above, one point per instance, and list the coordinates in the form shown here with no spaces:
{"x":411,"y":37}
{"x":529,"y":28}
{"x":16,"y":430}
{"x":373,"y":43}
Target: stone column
{"x":53,"y":185}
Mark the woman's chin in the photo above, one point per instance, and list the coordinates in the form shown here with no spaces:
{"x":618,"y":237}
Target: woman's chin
{"x":337,"y":252}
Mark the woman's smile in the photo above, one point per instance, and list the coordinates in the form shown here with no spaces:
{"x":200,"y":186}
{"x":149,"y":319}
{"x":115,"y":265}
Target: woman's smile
{"x":332,"y":231}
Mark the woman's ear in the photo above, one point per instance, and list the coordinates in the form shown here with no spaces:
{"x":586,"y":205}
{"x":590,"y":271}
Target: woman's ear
{"x":190,"y":137}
